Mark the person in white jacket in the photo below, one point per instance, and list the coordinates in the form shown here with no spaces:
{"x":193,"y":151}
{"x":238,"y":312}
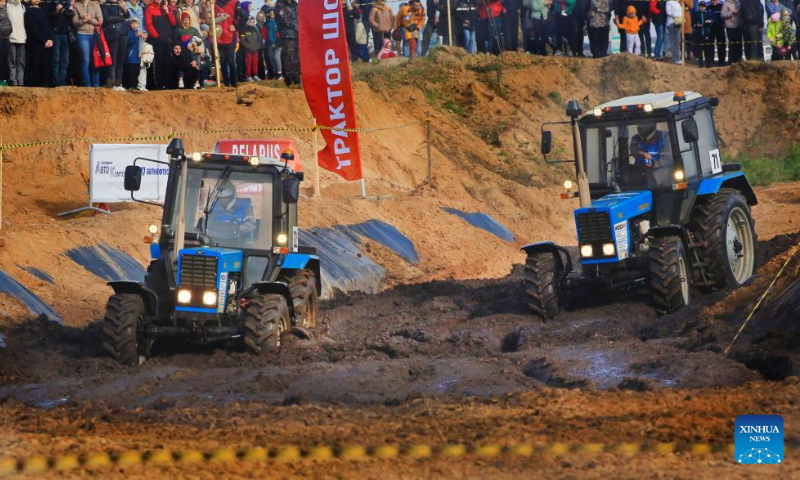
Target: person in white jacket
{"x":16,"y":51}
{"x":675,"y":29}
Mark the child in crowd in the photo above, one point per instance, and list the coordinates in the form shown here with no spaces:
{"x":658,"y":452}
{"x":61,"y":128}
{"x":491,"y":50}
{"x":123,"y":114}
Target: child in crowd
{"x":250,"y":39}
{"x":273,"y":47}
{"x":630,"y":25}
{"x":130,"y":71}
{"x":361,"y":37}
{"x":386,"y":51}
{"x":781,"y":34}
{"x":702,"y":30}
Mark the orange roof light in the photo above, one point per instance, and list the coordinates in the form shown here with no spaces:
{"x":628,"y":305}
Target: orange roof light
{"x":678,"y":97}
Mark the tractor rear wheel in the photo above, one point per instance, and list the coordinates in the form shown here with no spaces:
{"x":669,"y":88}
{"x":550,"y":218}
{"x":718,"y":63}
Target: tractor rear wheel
{"x":266,"y":317}
{"x":542,"y":276}
{"x":670,"y":274}
{"x":120,"y":330}
{"x":725,"y":230}
{"x":303,"y":288}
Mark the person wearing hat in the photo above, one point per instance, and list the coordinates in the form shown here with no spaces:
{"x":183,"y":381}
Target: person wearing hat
{"x":232,"y":221}
{"x":250,"y":41}
{"x":702,"y":28}
{"x":132,"y":66}
{"x":286,"y":17}
{"x":630,"y":24}
{"x":651,"y":158}
{"x":183,"y":65}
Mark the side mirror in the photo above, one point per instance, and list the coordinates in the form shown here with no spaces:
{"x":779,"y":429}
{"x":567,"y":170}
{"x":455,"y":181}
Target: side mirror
{"x":547,"y":141}
{"x":133,"y":178}
{"x":291,"y":190}
{"x":689,"y":131}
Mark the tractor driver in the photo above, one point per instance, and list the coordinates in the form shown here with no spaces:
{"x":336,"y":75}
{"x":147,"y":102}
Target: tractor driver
{"x":651,"y":164}
{"x":231,"y":211}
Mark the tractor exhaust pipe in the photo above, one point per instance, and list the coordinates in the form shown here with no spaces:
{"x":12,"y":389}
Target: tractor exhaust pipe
{"x":177,"y":153}
{"x":574,"y":111}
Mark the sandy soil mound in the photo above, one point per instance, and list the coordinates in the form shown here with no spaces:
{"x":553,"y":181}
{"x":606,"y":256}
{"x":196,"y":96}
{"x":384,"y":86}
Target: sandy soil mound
{"x":485,"y":158}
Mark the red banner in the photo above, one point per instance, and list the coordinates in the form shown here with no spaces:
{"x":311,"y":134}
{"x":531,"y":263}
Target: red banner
{"x":325,"y":67}
{"x":270,"y":148}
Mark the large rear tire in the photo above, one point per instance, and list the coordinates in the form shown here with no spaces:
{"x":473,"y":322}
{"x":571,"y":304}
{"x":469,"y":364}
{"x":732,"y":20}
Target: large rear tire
{"x":303,"y":288}
{"x":266,"y":317}
{"x":725,"y":231}
{"x":542,"y":277}
{"x":120,"y":330}
{"x":670,"y":275}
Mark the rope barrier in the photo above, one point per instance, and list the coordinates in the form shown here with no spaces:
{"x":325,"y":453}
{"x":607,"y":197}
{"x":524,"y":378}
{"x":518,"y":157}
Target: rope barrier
{"x":41,"y":464}
{"x":761,"y":300}
{"x":154,"y":138}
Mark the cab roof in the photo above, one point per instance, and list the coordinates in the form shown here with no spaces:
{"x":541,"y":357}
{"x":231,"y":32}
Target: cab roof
{"x":657,"y":100}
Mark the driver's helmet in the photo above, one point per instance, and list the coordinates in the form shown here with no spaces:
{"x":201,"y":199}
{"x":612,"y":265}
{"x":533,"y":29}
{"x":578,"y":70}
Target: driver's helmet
{"x":227,"y":196}
{"x":647,"y":129}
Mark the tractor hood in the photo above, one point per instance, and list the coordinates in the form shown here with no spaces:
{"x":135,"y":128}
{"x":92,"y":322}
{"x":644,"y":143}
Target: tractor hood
{"x":621,"y":206}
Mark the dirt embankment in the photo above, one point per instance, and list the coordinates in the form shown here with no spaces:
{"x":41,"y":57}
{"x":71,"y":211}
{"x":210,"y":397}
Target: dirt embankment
{"x":485,"y":158}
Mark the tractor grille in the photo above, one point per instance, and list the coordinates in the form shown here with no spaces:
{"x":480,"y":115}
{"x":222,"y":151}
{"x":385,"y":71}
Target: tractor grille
{"x":198,"y":271}
{"x":594,"y":227}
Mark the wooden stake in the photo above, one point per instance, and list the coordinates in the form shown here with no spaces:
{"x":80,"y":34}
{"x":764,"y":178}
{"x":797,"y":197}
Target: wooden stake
{"x":430,"y":181}
{"x":316,"y":161}
{"x":1,"y":183}
{"x":216,"y":47}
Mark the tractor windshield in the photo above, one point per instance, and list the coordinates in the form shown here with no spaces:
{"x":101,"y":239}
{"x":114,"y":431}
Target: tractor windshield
{"x":233,"y":209}
{"x":629,"y":155}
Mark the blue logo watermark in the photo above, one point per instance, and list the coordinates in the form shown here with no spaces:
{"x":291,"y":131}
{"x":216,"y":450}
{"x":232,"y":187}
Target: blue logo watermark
{"x":759,"y":439}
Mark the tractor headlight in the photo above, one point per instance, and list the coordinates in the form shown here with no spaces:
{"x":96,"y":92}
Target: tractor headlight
{"x":568,"y":185}
{"x":210,"y":298}
{"x":184,"y":296}
{"x":587,"y":251}
{"x":608,"y":249}
{"x":254,"y":161}
{"x":196,"y":156}
{"x":648,"y":107}
{"x":282,"y":239}
{"x":597,"y":112}
{"x":679,"y":176}
{"x":153,"y":229}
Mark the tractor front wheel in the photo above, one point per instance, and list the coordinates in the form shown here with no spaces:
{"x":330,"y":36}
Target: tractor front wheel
{"x":542,"y":276}
{"x":120,"y":330}
{"x":670,"y":274}
{"x":266,"y":317}
{"x":303,"y":288}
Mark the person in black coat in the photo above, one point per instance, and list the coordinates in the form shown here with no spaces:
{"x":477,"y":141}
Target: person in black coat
{"x":350,"y":28}
{"x":581,"y":12}
{"x":182,"y":64}
{"x":718,"y":32}
{"x":40,"y":39}
{"x":114,"y":28}
{"x":620,"y":10}
{"x":512,"y":23}
{"x":643,"y":11}
{"x":753,"y":16}
{"x":60,"y":15}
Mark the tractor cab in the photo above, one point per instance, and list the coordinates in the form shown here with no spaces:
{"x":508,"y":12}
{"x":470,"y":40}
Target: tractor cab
{"x":648,"y":172}
{"x":226,"y":263}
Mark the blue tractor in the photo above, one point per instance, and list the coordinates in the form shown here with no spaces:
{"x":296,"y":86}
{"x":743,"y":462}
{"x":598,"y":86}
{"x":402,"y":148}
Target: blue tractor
{"x":226,"y":265}
{"x":658,"y":207}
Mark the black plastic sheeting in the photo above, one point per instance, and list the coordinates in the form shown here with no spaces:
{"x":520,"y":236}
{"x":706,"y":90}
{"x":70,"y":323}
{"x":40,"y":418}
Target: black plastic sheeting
{"x":386,"y":235}
{"x":483,"y":221}
{"x":40,"y":274}
{"x":36,"y":306}
{"x":107,"y":262}
{"x":343,"y":267}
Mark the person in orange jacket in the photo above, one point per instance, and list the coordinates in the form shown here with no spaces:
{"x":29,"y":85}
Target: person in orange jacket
{"x":630,"y":24}
{"x":411,"y":19}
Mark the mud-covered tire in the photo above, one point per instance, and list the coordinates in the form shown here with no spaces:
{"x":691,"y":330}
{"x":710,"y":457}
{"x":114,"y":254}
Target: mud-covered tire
{"x":156,"y":280}
{"x":303,"y":288}
{"x":266,"y":317}
{"x":715,"y":220}
{"x":542,"y":278}
{"x":120,"y":331}
{"x":670,"y":274}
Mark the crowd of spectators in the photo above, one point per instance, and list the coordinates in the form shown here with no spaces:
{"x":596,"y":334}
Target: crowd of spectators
{"x":167,"y":44}
{"x":145,"y":44}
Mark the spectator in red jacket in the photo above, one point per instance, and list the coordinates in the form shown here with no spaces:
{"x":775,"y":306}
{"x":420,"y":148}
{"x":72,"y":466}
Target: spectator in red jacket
{"x":159,"y":24}
{"x":226,"y":43}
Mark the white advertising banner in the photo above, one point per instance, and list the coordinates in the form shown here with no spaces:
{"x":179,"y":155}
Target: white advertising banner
{"x":107,"y":164}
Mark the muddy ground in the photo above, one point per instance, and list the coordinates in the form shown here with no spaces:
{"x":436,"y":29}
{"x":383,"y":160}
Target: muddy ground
{"x":446,"y":361}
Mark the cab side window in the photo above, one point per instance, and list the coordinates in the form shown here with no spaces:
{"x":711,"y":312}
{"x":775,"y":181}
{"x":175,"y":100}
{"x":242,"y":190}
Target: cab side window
{"x":707,"y":143}
{"x":687,"y":152}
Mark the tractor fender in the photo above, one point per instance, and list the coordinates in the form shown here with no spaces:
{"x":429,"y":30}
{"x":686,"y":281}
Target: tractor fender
{"x":280,"y":288}
{"x":544,"y":247}
{"x":303,"y":261}
{"x":138,"y":288}
{"x":734,"y":180}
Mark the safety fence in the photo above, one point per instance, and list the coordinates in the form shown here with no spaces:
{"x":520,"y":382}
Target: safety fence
{"x":162,"y":457}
